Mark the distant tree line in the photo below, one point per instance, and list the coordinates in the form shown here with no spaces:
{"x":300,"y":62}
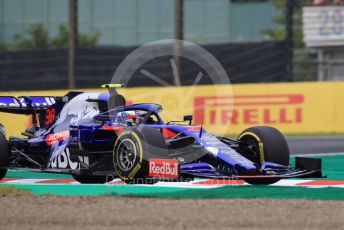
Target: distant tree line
{"x":37,"y":37}
{"x":305,"y":67}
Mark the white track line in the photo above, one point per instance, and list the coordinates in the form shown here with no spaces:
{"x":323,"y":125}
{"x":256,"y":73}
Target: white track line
{"x":317,"y":154}
{"x":191,"y":184}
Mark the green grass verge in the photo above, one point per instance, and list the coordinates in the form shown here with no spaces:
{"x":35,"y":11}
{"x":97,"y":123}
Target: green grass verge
{"x":36,"y":175}
{"x":227,"y":192}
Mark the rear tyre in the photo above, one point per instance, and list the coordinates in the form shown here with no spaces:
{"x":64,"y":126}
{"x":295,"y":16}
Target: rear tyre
{"x":4,"y":155}
{"x":87,"y":179}
{"x":264,"y":143}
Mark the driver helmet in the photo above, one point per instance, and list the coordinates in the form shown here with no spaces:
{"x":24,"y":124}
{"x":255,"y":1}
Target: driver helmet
{"x":131,"y":117}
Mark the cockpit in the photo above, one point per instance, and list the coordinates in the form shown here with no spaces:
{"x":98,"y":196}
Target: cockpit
{"x":133,"y":115}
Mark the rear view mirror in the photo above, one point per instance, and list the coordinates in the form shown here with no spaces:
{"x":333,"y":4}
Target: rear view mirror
{"x":188,"y":118}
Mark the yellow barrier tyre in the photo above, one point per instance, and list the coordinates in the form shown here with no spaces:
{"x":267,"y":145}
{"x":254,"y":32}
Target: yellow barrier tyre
{"x":264,"y":143}
{"x":4,"y":155}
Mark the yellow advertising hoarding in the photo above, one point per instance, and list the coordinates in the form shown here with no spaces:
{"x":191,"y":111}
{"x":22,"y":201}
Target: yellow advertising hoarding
{"x":294,"y":108}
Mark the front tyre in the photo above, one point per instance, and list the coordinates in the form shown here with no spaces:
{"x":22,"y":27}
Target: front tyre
{"x":128,"y":159}
{"x":4,"y":155}
{"x":264,"y":143}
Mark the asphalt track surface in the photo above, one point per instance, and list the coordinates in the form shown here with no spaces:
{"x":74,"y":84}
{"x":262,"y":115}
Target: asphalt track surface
{"x":314,"y":145}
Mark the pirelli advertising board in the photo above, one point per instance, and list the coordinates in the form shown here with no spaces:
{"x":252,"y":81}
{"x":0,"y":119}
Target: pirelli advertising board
{"x":294,"y":108}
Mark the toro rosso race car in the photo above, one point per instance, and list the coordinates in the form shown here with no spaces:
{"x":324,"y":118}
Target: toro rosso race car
{"x":95,"y":137}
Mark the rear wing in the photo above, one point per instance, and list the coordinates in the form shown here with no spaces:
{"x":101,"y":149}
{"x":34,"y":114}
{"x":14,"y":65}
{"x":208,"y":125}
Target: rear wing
{"x":46,"y":108}
{"x":14,"y":105}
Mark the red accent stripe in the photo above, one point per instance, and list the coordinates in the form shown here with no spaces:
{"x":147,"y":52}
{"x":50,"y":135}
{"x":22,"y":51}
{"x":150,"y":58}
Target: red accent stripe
{"x":220,"y":182}
{"x":7,"y":180}
{"x":323,"y":182}
{"x":168,"y":133}
{"x":114,"y":128}
{"x":118,"y":130}
{"x":55,"y":181}
{"x":283,"y":99}
{"x":116,"y":182}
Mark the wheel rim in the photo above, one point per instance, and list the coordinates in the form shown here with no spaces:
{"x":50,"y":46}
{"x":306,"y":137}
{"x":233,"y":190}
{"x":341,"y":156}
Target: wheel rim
{"x":126,"y":154}
{"x":252,"y":145}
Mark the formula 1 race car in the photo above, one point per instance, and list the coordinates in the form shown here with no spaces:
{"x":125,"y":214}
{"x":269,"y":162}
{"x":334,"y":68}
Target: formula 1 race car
{"x":95,"y":137}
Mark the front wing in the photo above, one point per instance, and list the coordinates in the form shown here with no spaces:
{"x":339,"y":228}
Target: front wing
{"x":304,"y":168}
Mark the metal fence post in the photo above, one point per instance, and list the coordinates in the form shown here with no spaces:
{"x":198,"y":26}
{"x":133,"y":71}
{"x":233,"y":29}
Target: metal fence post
{"x":178,"y":30}
{"x":289,"y":38}
{"x":73,"y":40}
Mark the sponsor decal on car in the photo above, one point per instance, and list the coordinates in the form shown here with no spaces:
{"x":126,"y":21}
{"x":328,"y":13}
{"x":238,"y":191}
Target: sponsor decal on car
{"x":54,"y":138}
{"x":195,"y":128}
{"x":62,"y":160}
{"x":9,"y":102}
{"x":163,"y":168}
{"x":50,"y":116}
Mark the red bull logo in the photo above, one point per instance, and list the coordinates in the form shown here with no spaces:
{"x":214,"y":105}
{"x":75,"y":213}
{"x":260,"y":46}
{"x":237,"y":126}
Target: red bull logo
{"x":163,"y":168}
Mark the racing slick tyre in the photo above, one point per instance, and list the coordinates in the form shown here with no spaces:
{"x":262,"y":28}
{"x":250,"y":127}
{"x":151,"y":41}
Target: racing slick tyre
{"x":130,"y":153}
{"x":264,"y":143}
{"x":4,"y":155}
{"x":87,"y":179}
